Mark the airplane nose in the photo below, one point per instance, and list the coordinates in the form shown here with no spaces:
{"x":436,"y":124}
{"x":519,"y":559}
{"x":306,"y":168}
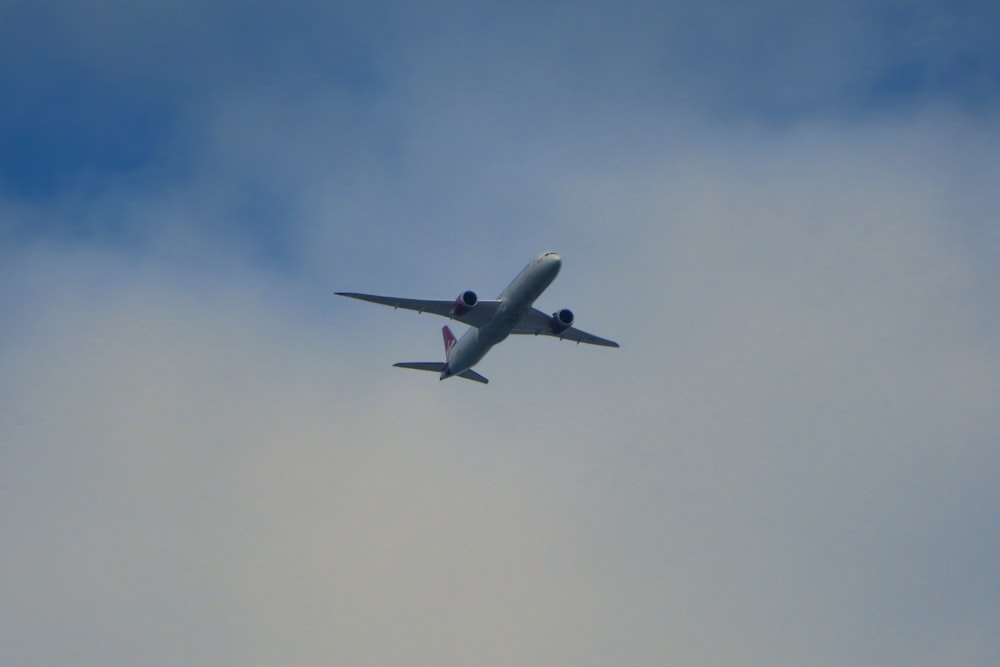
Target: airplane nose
{"x":552,"y":265}
{"x":550,"y":262}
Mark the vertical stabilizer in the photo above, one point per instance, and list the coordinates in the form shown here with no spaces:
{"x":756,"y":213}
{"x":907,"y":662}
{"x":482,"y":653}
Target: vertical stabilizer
{"x":449,"y":341}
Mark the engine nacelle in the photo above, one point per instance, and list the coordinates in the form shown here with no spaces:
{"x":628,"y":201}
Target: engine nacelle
{"x":465,"y":302}
{"x":561,"y":320}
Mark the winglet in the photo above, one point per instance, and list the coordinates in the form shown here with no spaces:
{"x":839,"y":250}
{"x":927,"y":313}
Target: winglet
{"x":449,"y":341}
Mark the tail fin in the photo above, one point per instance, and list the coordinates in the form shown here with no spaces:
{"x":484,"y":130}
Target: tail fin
{"x":449,"y":341}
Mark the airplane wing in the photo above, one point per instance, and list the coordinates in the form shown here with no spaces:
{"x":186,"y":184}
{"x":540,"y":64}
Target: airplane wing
{"x":479,"y":315}
{"x":537,"y":323}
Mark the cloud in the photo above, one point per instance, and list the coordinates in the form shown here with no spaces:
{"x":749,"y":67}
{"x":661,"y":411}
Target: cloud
{"x":206,"y":457}
{"x":123,"y":86}
{"x":182,"y":468}
{"x":789,"y":456}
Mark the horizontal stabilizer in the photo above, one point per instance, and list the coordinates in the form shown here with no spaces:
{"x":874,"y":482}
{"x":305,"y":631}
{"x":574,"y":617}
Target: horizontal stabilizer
{"x":435,"y":366}
{"x":473,"y":375}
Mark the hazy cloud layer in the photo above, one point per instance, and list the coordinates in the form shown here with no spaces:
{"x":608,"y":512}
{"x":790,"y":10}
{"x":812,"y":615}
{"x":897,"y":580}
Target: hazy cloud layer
{"x":786,"y":217}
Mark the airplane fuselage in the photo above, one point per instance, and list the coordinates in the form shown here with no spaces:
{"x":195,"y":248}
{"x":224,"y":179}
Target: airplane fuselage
{"x":515,"y":302}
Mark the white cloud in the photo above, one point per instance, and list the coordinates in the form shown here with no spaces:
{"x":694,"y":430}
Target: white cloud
{"x":207,"y":458}
{"x":789,"y":458}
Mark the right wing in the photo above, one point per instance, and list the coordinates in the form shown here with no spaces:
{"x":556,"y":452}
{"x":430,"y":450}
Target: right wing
{"x":479,"y":315}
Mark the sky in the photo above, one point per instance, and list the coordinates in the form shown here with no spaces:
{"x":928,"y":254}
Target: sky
{"x":785,"y":212}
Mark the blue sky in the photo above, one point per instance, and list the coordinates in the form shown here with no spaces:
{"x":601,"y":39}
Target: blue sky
{"x":785,"y":213}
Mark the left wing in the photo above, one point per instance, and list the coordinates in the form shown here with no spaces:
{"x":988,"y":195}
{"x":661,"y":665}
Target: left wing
{"x":537,"y":323}
{"x":476,"y":316}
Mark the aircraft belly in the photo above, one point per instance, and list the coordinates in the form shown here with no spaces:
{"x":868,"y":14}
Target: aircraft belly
{"x":491,"y":334}
{"x":468,"y":352}
{"x":508,"y":316}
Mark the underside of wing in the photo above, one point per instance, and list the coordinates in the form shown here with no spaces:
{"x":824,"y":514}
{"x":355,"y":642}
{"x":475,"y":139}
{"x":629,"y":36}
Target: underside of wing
{"x":537,"y":323}
{"x":475,"y":316}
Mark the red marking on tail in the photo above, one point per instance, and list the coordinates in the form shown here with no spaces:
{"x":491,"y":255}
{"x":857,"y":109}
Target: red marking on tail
{"x":449,"y":341}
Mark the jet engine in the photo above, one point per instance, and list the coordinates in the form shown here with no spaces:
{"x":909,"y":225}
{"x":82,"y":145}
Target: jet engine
{"x":465,"y":302}
{"x":561,"y":320}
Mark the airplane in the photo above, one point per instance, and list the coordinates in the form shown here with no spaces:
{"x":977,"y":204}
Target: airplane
{"x":491,"y":322}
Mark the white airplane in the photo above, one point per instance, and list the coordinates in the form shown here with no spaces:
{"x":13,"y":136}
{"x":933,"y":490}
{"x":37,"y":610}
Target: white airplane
{"x":492,"y":321}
